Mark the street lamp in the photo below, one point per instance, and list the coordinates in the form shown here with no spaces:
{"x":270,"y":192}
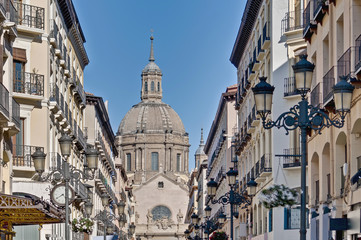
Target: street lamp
{"x":194,"y":218}
{"x":222,"y":218}
{"x":66,"y":172}
{"x":303,"y":115}
{"x":132,"y":229}
{"x":208,"y":211}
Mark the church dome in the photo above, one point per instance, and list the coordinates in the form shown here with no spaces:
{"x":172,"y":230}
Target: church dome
{"x":151,"y":117}
{"x":151,"y":67}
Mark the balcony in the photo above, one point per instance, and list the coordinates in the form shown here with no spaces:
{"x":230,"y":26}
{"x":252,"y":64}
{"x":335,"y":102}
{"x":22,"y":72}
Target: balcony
{"x":80,"y":190}
{"x":255,"y":118}
{"x":266,"y":37}
{"x":79,"y":93}
{"x":30,"y":85}
{"x":358,"y":56}
{"x":308,"y":27}
{"x":251,"y":74}
{"x":291,"y":158}
{"x":266,"y":165}
{"x":328,"y":83}
{"x":22,"y":157}
{"x":344,"y":64}
{"x":4,"y":104}
{"x":292,"y":22}
{"x":15,"y":114}
{"x":260,"y":52}
{"x":29,"y":16}
{"x":54,"y":34}
{"x":290,"y":87}
{"x":256,"y":63}
{"x":104,"y":186}
{"x":220,"y":176}
{"x":105,"y":156}
{"x":319,"y":10}
{"x":316,"y":96}
{"x":55,"y":161}
{"x":80,"y":140}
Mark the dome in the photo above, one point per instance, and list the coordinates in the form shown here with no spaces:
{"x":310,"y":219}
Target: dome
{"x":151,"y":67}
{"x":151,"y":117}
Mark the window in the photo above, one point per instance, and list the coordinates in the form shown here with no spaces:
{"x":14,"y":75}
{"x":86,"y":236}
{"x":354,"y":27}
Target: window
{"x":160,"y":212}
{"x":155,"y":161}
{"x":160,"y":184}
{"x":328,"y":186}
{"x":152,"y":86}
{"x":129,"y":162}
{"x":19,"y":155}
{"x":292,"y":218}
{"x":146,"y":86}
{"x":317,"y":188}
{"x":19,"y":85}
{"x":158,"y":86}
{"x":178,"y":162}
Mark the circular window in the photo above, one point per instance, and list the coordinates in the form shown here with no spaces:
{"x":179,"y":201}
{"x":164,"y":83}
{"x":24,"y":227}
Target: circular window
{"x":160,"y":212}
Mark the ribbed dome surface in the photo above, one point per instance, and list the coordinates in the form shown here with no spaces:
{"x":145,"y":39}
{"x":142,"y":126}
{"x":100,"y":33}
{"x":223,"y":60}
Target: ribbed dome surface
{"x":151,"y":67}
{"x":151,"y":117}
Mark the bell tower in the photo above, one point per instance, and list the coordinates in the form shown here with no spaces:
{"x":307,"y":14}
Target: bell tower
{"x":151,"y":79}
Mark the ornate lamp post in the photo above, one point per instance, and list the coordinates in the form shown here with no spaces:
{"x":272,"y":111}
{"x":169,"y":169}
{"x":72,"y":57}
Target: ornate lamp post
{"x":66,"y":172}
{"x":303,"y":115}
{"x":208,"y":225}
{"x":232,"y":197}
{"x":107,"y":218}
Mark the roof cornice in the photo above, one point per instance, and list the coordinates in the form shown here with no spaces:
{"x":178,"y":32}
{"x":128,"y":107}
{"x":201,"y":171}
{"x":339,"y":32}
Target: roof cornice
{"x":245,"y":30}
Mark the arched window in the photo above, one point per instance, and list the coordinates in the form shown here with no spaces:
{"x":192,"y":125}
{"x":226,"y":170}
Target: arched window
{"x":155,"y":161}
{"x":158,"y":86}
{"x":178,"y":162}
{"x":146,"y":86}
{"x":152,"y":86}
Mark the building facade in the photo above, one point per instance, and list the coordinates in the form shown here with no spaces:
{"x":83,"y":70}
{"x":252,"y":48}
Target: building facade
{"x":47,"y":81}
{"x":267,"y":156}
{"x":154,"y":147}
{"x":333,"y":35}
{"x":218,"y":150}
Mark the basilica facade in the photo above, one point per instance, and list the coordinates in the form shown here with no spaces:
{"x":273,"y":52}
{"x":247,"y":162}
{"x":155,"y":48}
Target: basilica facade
{"x":154,"y":149}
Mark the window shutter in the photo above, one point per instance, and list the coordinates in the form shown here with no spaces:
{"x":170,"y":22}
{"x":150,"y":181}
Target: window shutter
{"x":270,"y":219}
{"x":19,"y":54}
{"x":285,"y":218}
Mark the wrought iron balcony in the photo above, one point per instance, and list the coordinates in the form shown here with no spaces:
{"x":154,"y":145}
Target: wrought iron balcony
{"x":107,"y":187}
{"x":257,"y":170}
{"x":260,"y":51}
{"x":358,"y":55}
{"x":291,"y":157}
{"x":316,"y":96}
{"x":344,"y":64}
{"x":8,"y":10}
{"x":220,"y":176}
{"x":22,"y":155}
{"x":307,"y":25}
{"x":66,"y":110}
{"x":4,"y":103}
{"x":292,"y":21}
{"x":266,"y":163}
{"x":15,"y":113}
{"x":106,"y":156}
{"x":319,"y":10}
{"x":328,"y":83}
{"x":30,"y":16}
{"x":54,"y":33}
{"x":79,"y":93}
{"x":55,"y":161}
{"x":256,"y":63}
{"x":80,"y":140}
{"x":28,"y":83}
{"x":266,"y":39}
{"x":290,"y":87}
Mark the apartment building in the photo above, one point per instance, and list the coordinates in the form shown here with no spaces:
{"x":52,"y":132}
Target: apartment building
{"x":47,"y":81}
{"x":100,"y":135}
{"x":218,"y":151}
{"x":267,"y":156}
{"x":333,"y":35}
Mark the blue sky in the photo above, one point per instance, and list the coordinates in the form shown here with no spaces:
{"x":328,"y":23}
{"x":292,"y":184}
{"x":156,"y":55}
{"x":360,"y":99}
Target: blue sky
{"x":192,"y":47}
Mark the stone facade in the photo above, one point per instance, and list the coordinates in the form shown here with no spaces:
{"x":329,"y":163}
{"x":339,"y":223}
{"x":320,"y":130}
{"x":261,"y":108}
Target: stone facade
{"x":154,"y":146}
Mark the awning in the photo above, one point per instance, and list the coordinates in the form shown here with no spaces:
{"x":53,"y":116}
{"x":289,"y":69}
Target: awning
{"x":27,"y":209}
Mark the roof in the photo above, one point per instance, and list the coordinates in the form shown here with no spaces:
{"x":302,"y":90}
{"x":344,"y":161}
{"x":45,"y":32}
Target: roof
{"x":245,"y":30}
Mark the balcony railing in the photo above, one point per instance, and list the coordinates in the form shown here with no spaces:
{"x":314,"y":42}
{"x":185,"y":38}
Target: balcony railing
{"x":290,"y":87}
{"x":29,"y":83}
{"x":344,"y":64}
{"x":55,"y":161}
{"x":30,"y":16}
{"x":291,"y":157}
{"x":266,"y":163}
{"x":62,"y":102}
{"x":358,"y":54}
{"x":16,"y":113}
{"x":22,"y":155}
{"x":107,"y":186}
{"x":307,"y":21}
{"x":266,"y":37}
{"x":66,"y":109}
{"x":292,"y":21}
{"x":7,"y":6}
{"x":257,"y":170}
{"x":4,"y":100}
{"x":316,"y":96}
{"x":54,"y":31}
{"x":328,"y":83}
{"x":220,"y":176}
{"x":54,"y":93}
{"x":79,"y":90}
